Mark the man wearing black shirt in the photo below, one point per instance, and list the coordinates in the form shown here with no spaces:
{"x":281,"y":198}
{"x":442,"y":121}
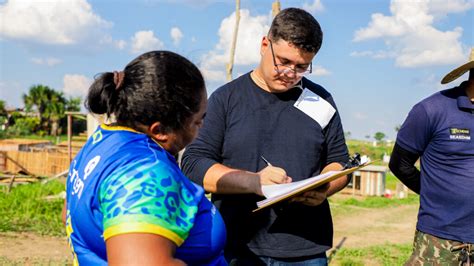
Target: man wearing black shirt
{"x":272,"y":112}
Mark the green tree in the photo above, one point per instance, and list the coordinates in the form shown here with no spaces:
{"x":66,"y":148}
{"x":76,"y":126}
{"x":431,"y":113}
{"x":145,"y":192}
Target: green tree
{"x":3,"y":118}
{"x":397,"y":128}
{"x":347,"y":134}
{"x":50,"y":105}
{"x":379,"y":136}
{"x":73,"y":104}
{"x":55,"y":111}
{"x":38,"y":99}
{"x":22,"y":125}
{"x":3,"y":110}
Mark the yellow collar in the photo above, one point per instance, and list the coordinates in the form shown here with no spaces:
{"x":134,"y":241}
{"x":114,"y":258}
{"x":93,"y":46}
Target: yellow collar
{"x":116,"y":128}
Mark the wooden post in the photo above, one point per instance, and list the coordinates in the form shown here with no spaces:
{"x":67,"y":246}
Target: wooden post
{"x":69,"y":137}
{"x":230,"y":65}
{"x":3,"y":161}
{"x":276,"y":7}
{"x":69,"y":131}
{"x":12,"y":179}
{"x":354,"y":180}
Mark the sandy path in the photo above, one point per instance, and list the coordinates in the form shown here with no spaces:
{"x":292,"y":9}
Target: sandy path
{"x":368,"y":227}
{"x":28,"y":247}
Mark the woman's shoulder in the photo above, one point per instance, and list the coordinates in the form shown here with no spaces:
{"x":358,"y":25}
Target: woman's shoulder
{"x":151,"y":192}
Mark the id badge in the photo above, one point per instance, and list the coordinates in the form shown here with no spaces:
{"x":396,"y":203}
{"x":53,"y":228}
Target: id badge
{"x":315,"y":107}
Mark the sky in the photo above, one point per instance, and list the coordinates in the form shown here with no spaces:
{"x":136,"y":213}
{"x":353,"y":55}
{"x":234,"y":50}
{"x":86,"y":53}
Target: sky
{"x":378,"y":58}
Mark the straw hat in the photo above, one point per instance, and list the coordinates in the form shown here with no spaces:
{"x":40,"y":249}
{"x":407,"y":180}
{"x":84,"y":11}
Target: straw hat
{"x":456,"y":73}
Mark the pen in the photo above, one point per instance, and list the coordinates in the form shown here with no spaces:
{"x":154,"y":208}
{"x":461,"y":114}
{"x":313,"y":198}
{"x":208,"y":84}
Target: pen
{"x":266,"y":161}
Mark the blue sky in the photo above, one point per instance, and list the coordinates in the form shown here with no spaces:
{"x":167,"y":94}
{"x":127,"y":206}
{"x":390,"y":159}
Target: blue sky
{"x":378,"y":58}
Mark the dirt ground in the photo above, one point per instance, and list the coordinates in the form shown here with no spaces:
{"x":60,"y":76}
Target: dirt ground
{"x":32,"y":249}
{"x":360,"y":227}
{"x":369,"y":227}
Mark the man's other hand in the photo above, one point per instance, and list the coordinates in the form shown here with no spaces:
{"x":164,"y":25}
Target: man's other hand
{"x":313,"y":197}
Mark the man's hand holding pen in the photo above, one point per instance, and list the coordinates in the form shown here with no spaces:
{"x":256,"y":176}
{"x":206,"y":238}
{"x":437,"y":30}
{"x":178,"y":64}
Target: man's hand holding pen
{"x":272,"y":175}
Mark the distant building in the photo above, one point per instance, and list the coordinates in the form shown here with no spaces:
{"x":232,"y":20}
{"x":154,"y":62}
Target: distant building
{"x":93,"y":121}
{"x":368,"y":181}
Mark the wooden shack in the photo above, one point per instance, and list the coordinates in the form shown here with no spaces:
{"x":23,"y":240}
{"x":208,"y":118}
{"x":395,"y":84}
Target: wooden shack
{"x":22,"y":144}
{"x":368,"y":181}
{"x":33,"y":157}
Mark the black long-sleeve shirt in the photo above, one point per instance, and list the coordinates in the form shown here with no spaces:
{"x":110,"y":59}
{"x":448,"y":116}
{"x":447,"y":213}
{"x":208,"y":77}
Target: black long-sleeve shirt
{"x":402,"y":165}
{"x":244,"y":122}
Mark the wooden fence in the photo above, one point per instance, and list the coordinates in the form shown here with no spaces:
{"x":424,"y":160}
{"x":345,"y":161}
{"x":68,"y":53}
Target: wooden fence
{"x":35,"y":163}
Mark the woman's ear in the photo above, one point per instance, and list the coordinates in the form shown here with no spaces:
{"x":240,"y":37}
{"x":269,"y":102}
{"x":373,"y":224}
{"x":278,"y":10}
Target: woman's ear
{"x":157,"y":131}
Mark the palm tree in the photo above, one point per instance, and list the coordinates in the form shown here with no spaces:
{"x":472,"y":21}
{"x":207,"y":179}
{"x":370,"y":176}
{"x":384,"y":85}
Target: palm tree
{"x":38,"y":98}
{"x":50,"y":106}
{"x":55,"y":111}
{"x":73,"y":104}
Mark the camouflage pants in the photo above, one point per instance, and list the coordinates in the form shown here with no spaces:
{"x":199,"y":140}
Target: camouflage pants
{"x":431,"y":250}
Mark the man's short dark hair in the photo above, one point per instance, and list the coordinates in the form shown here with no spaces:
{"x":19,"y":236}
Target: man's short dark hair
{"x":297,"y":27}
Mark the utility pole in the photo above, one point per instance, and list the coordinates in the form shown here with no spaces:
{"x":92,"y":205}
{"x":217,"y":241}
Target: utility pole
{"x":276,"y":7}
{"x":230,"y":65}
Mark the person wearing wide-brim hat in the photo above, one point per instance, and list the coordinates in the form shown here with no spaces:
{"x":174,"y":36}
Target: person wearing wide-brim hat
{"x":456,"y":73}
{"x":440,"y":131}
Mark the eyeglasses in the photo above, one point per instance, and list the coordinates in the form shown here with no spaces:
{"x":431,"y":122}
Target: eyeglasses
{"x":287,"y":69}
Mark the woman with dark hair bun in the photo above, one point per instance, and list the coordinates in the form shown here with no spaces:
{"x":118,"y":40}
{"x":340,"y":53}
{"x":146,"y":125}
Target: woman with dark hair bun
{"x":127,"y":201}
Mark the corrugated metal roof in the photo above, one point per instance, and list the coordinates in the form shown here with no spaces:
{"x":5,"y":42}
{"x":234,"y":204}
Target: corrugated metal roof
{"x":374,"y":168}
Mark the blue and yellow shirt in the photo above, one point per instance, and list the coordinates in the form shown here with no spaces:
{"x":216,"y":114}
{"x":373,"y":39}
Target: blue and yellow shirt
{"x":123,"y":182}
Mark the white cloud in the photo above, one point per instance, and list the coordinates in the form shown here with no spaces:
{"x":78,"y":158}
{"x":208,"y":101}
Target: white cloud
{"x":360,"y":116}
{"x":217,"y":76}
{"x":320,"y":71}
{"x":380,"y":26}
{"x":247,"y":52}
{"x":443,"y":7}
{"x":410,"y":35}
{"x":107,"y":40}
{"x":144,"y":41}
{"x":374,"y":54}
{"x":49,"y":61}
{"x":120,"y":44}
{"x":176,"y":35}
{"x":61,"y":22}
{"x":313,"y":7}
{"x":76,"y":85}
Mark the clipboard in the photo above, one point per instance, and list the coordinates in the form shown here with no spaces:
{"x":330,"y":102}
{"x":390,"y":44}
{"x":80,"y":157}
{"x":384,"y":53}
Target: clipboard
{"x":306,"y":187}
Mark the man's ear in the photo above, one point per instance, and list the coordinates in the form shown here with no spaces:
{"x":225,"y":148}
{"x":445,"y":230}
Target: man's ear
{"x":264,"y":45}
{"x":158,"y":132}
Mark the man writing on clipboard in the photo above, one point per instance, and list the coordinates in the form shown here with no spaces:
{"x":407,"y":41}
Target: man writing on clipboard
{"x":274,"y":112}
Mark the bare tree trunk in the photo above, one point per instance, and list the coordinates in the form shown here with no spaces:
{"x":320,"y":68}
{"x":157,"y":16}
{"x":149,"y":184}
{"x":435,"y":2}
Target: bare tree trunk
{"x":54,"y":127}
{"x":230,"y":65}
